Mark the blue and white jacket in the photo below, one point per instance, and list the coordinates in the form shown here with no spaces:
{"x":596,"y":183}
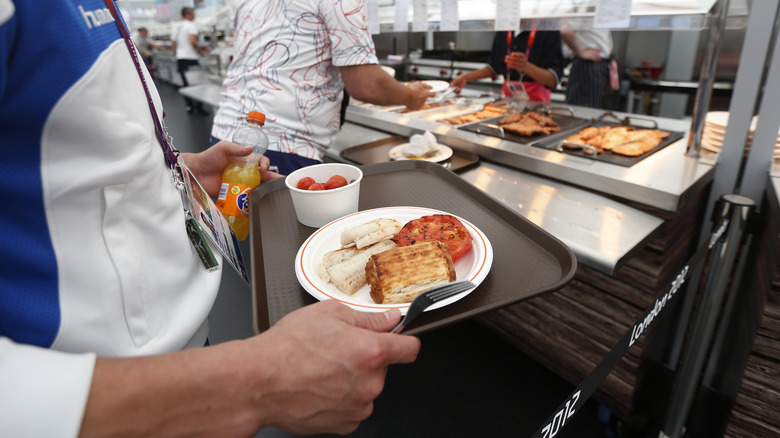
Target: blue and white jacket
{"x":94,"y":256}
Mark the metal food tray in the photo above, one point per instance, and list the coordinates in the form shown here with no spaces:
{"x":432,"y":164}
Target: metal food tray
{"x":438,"y":106}
{"x":446,"y":112}
{"x":378,"y":152}
{"x":527,"y":261}
{"x":460,"y":107}
{"x":556,"y":142}
{"x":567,"y":123}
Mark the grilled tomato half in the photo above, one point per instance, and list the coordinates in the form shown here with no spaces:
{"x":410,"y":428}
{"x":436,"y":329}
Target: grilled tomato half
{"x":445,"y":228}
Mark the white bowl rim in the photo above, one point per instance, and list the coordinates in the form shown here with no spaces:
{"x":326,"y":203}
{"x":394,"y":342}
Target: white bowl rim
{"x":349,"y":184}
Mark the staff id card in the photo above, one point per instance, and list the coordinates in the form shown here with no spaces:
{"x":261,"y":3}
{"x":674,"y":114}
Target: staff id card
{"x":204,"y":218}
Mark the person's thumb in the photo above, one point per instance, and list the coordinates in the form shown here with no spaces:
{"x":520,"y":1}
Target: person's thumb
{"x":238,"y":150}
{"x":378,"y":321}
{"x":400,"y":348}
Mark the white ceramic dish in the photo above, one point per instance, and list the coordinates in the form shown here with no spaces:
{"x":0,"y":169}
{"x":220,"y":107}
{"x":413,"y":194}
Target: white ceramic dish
{"x":442,"y":153}
{"x":437,"y":86}
{"x":474,"y":265}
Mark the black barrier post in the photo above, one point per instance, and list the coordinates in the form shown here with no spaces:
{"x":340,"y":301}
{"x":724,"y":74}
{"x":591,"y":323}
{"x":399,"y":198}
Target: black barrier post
{"x":735,"y":210}
{"x":562,"y":415}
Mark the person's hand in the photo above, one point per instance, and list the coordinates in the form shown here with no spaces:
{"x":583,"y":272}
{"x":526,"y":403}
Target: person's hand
{"x":591,"y":55}
{"x":209,"y":164}
{"x":516,"y":61}
{"x":418,"y":93}
{"x":459,"y":82}
{"x":328,"y":364}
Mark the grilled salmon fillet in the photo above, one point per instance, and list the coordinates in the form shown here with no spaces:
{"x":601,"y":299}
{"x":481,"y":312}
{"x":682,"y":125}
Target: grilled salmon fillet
{"x":398,"y":275}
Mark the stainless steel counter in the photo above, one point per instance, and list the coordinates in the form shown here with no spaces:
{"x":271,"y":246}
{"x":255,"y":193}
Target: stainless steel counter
{"x":602,"y":233}
{"x":661,"y":180}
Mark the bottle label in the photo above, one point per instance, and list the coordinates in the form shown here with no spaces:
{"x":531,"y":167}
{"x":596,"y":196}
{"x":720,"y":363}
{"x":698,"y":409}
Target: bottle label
{"x":234,"y":199}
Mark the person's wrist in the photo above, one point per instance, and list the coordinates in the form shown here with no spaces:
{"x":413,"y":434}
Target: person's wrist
{"x":250,"y":384}
{"x":409,"y":95}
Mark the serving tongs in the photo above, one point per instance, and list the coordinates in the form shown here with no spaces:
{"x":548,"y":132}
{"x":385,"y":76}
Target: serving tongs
{"x":586,"y":147}
{"x":519,"y":95}
{"x":442,"y":95}
{"x":492,"y":126}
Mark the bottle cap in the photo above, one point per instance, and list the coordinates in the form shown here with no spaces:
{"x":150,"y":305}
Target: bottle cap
{"x":256,"y":116}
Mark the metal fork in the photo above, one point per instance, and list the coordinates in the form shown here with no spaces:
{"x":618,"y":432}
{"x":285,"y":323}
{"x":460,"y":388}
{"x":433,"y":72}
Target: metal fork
{"x":430,"y":297}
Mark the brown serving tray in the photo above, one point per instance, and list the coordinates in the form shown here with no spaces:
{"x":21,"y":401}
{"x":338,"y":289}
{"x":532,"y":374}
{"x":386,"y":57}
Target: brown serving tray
{"x":527,"y":261}
{"x":377,"y":152}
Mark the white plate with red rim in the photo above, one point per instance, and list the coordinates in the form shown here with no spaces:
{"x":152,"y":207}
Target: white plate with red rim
{"x":473,"y":266}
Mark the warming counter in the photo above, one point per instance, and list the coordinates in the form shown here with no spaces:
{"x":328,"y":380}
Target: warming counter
{"x":579,"y":200}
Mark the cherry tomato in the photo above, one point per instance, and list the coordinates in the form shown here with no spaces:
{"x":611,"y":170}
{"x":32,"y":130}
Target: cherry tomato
{"x":335,"y":182}
{"x":445,"y":228}
{"x":316,"y":186}
{"x":305,"y":182}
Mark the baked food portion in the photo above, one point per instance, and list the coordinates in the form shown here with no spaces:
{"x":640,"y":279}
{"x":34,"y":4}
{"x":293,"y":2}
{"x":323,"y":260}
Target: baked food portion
{"x":529,"y":124}
{"x":398,"y":275}
{"x":489,"y":111}
{"x":346,"y":267}
{"x":370,"y":233}
{"x":623,"y":140}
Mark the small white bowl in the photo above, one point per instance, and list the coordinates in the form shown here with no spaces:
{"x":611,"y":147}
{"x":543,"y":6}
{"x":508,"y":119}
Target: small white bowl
{"x":315,"y":208}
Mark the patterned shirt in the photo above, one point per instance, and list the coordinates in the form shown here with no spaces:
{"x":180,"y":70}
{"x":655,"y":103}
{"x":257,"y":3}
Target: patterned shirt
{"x":285,"y":65}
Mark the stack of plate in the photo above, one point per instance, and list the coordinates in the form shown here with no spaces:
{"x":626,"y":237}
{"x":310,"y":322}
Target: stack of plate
{"x":715,"y":130}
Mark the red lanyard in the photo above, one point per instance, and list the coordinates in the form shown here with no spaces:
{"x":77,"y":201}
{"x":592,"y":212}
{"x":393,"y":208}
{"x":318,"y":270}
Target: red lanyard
{"x":531,"y":39}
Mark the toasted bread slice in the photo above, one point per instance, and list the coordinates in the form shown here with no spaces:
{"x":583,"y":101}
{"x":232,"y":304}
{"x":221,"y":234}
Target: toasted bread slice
{"x":400,"y":274}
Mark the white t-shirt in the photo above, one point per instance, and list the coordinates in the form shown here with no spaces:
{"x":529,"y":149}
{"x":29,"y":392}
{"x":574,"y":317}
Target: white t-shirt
{"x":184,"y":49}
{"x":592,"y":39}
{"x":285,"y":65}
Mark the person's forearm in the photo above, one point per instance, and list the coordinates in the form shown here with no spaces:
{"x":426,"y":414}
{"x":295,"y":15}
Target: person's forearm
{"x":368,"y":83}
{"x":187,"y":393}
{"x":317,"y":370}
{"x":195,"y":45}
{"x":482,"y":73}
{"x":541,"y":75}
{"x":571,"y":40}
{"x":387,"y":92}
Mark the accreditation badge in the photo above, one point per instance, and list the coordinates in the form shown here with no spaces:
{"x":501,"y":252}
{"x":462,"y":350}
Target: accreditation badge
{"x":204,"y":218}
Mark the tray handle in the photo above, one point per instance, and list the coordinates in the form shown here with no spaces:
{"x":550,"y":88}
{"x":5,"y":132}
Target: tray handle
{"x":549,"y":109}
{"x":612,"y":115}
{"x":645,"y":119}
{"x":627,"y":120}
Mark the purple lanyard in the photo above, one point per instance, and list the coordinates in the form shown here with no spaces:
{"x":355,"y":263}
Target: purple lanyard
{"x":170,"y":153}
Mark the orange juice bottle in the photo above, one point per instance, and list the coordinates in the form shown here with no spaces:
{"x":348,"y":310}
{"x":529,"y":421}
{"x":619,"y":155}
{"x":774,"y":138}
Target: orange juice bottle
{"x":243,"y":175}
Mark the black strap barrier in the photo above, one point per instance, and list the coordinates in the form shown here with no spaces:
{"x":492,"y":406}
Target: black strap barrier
{"x":566,"y":410}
